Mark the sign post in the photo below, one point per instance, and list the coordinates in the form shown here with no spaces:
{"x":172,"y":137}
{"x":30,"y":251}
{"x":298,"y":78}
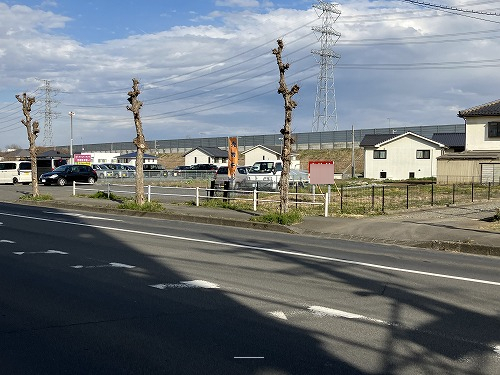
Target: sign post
{"x":232,"y":160}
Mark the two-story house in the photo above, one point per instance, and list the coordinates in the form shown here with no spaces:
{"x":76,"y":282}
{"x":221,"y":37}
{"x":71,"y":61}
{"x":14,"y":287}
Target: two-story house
{"x":480,"y":161}
{"x":400,"y":156}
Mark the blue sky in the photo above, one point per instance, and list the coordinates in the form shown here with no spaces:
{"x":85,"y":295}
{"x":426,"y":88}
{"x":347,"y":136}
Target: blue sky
{"x":206,"y":67}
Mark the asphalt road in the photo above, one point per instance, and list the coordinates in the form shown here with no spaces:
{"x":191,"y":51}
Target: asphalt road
{"x":92,"y":293}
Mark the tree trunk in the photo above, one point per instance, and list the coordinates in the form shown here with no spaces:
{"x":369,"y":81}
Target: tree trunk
{"x":290,"y":104}
{"x":139,"y":141}
{"x":27,"y":102}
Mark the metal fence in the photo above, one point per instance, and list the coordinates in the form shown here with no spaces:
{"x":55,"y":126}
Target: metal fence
{"x":373,"y":199}
{"x":380,"y":198}
{"x":303,"y":141}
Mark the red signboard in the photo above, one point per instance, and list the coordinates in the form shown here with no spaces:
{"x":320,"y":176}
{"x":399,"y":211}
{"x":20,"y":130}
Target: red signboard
{"x":83,"y":159}
{"x":322,"y":172}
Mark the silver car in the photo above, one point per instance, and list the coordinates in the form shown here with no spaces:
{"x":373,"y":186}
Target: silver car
{"x":222,"y":175}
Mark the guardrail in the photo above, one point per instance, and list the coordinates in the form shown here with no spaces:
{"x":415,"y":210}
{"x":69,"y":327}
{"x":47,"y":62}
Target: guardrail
{"x":255,"y":196}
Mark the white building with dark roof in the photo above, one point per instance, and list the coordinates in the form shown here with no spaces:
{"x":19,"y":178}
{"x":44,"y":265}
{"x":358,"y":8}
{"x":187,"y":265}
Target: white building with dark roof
{"x":400,"y":156}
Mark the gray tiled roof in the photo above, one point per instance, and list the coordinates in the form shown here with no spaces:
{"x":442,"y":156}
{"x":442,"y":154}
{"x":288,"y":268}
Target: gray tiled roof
{"x":488,"y":109}
{"x":214,"y":152}
{"x":374,"y":139}
{"x":450,"y":139}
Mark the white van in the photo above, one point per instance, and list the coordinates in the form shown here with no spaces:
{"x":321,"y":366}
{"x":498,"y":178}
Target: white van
{"x":264,"y":175}
{"x":13,"y":172}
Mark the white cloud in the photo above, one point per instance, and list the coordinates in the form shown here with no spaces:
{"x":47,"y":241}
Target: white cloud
{"x":220,"y":78}
{"x":237,"y":3}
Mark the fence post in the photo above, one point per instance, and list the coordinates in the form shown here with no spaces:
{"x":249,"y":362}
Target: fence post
{"x":74,"y":188}
{"x":373,"y":197}
{"x":472,"y":191}
{"x":453,"y":194}
{"x":255,"y":199}
{"x":341,"y":198}
{"x":149,"y":193}
{"x":432,"y":194}
{"x":407,"y":196}
{"x":296,"y":196}
{"x":327,"y":198}
{"x":489,"y":190}
{"x":383,"y":198}
{"x":109,"y":191}
{"x":197,"y":196}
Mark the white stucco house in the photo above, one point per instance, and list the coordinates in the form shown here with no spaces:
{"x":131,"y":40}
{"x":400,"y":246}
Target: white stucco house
{"x":132,"y":156}
{"x":206,"y":155}
{"x":480,"y":161}
{"x":400,"y":156}
{"x":260,"y":152}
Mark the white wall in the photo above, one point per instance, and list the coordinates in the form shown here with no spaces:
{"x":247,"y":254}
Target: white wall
{"x":259,"y":154}
{"x":199,"y":157}
{"x":402,"y":159}
{"x":103,"y":157}
{"x":476,"y":134}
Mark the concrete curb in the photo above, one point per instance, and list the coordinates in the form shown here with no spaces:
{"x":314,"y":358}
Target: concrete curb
{"x":450,"y":246}
{"x":461,"y":247}
{"x":167,"y":215}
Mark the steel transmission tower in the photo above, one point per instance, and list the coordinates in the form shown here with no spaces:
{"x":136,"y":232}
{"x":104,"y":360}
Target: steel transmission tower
{"x":325,"y":108}
{"x":49,"y":113}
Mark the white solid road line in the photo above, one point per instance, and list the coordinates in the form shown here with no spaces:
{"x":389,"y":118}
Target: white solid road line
{"x":265,"y":249}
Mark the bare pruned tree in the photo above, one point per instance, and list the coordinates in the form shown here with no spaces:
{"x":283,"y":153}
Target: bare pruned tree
{"x":290,"y":104}
{"x":139,"y":140}
{"x":33,"y":130}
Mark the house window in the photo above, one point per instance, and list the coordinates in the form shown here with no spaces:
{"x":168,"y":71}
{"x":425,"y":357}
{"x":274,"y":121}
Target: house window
{"x":195,"y":160}
{"x":411,"y":175}
{"x":380,"y":154}
{"x":423,"y":154}
{"x":383,"y":174}
{"x":493,"y":129}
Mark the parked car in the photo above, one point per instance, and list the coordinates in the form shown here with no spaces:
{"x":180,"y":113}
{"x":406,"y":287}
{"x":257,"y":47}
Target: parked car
{"x":264,"y":174}
{"x":119,"y":170}
{"x":102,"y":171}
{"x":131,"y":169}
{"x":68,"y":173}
{"x":222,"y":175}
{"x":154,"y":170}
{"x":203,"y":167}
{"x":180,"y":170}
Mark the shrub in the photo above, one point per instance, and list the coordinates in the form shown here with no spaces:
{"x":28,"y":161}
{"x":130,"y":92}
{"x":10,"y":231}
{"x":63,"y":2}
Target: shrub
{"x":30,"y":197}
{"x":292,"y":217}
{"x":104,"y":195}
{"x":146,"y":206}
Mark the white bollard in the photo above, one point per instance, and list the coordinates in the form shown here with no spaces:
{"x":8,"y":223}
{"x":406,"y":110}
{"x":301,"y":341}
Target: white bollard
{"x":327,"y":199}
{"x":197,"y":196}
{"x":149,"y":193}
{"x":74,"y":188}
{"x":255,"y":199}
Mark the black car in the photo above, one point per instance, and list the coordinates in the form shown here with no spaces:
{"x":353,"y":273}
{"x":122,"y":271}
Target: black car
{"x":204,"y":167}
{"x":65,"y":174}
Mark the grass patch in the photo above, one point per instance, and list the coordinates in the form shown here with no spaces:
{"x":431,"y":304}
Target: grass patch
{"x":31,"y":197}
{"x":291,"y":217}
{"x":104,"y":195}
{"x":146,"y":206}
{"x":230,"y":205}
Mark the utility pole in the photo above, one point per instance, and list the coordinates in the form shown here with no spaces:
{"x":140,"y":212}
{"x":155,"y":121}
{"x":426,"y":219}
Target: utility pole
{"x":71,"y":114}
{"x":325,"y":108}
{"x":353,"y":167}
